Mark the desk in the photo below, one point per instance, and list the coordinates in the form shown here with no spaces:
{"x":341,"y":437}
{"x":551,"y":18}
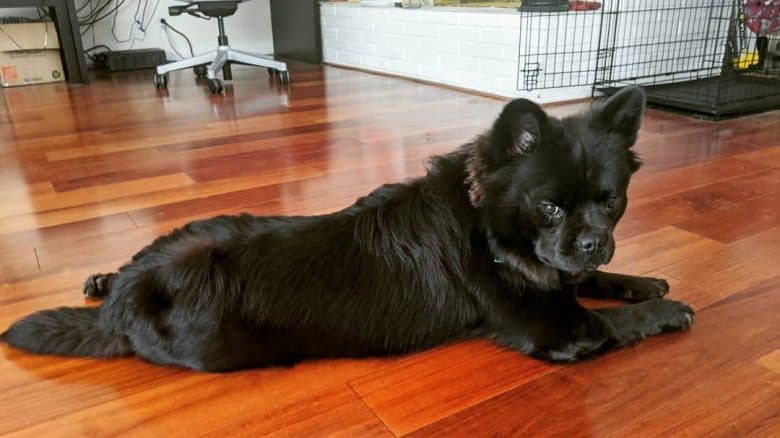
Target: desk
{"x":296,"y":30}
{"x":63,"y":13}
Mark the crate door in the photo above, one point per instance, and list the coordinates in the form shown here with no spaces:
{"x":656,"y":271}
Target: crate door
{"x":563,"y":49}
{"x":665,"y":41}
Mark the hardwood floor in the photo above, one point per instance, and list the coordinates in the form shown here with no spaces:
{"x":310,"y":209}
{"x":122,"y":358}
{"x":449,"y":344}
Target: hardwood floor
{"x":89,"y":174}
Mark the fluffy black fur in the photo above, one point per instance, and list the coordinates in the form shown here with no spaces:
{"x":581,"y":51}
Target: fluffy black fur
{"x":496,"y":240}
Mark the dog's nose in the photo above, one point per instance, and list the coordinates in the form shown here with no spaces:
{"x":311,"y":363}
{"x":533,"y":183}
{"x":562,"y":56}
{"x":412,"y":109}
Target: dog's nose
{"x":589,"y":242}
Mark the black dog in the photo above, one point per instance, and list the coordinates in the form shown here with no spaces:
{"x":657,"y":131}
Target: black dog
{"x":496,"y":240}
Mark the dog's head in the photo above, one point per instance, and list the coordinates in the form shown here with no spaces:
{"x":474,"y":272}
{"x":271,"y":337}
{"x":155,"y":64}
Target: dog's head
{"x":551,"y":191}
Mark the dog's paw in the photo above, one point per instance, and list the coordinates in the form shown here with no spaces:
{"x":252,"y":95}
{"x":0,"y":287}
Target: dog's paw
{"x":573,"y":351}
{"x":96,"y":286}
{"x":667,"y":316}
{"x":592,"y":337}
{"x":646,"y":288}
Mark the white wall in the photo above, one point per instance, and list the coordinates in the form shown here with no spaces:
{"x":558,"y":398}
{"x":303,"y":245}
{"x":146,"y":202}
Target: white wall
{"x":18,"y":12}
{"x":249,"y":29}
{"x":480,"y":49}
{"x":469,"y":48}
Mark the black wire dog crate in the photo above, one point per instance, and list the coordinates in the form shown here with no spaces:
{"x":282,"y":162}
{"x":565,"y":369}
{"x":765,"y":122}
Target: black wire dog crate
{"x":714,"y":57}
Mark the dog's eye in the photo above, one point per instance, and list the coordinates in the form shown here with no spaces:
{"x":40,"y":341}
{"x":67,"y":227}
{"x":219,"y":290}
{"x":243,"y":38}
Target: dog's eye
{"x":613,"y":202}
{"x":549,"y":209}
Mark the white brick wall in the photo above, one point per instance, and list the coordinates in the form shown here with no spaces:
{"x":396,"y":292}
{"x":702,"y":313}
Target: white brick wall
{"x":463,"y":48}
{"x":469,"y":49}
{"x":478,"y":49}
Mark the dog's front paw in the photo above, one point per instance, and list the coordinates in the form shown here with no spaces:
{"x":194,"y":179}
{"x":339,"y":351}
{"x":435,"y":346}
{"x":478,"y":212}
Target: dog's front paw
{"x":635,"y":322}
{"x":592,"y":337}
{"x":572,"y":351}
{"x":666,"y":316}
{"x":645,"y":288}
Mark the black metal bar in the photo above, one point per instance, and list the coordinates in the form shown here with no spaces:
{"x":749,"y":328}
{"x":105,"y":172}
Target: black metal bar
{"x":70,"y":40}
{"x":222,"y":40}
{"x":221,"y":24}
{"x":77,"y":47}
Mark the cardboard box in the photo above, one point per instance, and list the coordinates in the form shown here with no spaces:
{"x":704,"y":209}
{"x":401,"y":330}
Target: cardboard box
{"x":29,"y":54}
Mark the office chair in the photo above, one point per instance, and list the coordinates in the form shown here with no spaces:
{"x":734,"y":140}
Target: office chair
{"x":221,"y":58}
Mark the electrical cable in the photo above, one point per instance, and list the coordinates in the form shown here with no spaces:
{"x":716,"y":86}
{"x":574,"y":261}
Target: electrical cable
{"x":99,"y":46}
{"x":132,"y":24}
{"x":99,"y":10}
{"x":189,"y":43}
{"x":139,"y":22}
{"x":11,"y":38}
{"x":170,"y":43}
{"x":90,"y":21}
{"x":151,"y":17}
{"x":94,"y":14}
{"x":112,"y":11}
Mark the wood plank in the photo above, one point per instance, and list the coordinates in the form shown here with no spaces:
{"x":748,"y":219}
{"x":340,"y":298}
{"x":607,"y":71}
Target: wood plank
{"x":731,"y":193}
{"x":771,"y":361}
{"x":415,"y":391}
{"x":764,"y":157}
{"x":672,"y":151}
{"x":333,"y":412}
{"x":334,"y":190}
{"x":43,"y":290}
{"x":118,"y":247}
{"x":109,"y":144}
{"x":67,"y":233}
{"x":18,"y":262}
{"x":687,"y":290}
{"x":300,"y":399}
{"x":727,"y":269}
{"x":94,"y":194}
{"x":651,"y":251}
{"x":143,"y":200}
{"x":553,"y":405}
{"x":648,"y":185}
{"x":740,"y":221}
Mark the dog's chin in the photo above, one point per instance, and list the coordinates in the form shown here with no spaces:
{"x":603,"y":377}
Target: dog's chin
{"x":571,"y":267}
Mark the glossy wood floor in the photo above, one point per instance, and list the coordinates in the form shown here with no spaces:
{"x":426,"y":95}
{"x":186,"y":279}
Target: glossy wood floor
{"x":90,"y":174}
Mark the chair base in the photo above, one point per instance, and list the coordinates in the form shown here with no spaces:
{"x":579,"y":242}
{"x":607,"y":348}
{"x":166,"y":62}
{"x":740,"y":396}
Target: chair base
{"x":216,"y":60}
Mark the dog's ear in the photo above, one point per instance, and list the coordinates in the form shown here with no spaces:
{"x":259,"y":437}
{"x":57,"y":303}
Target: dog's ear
{"x":622,"y":113}
{"x":517,"y":131}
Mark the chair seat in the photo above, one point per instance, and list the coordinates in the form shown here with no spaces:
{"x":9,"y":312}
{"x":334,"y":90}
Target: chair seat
{"x":208,"y":8}
{"x":212,"y":1}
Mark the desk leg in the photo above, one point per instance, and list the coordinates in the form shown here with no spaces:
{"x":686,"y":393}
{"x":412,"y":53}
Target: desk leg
{"x":70,"y":40}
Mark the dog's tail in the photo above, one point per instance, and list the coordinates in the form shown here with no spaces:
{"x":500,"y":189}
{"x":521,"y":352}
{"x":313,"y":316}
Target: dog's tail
{"x":66,"y":331}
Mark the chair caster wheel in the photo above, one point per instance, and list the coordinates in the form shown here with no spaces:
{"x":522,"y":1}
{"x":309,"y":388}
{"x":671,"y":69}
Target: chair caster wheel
{"x":284,"y":77}
{"x":215,"y":86}
{"x":200,"y":71}
{"x":161,"y":81}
